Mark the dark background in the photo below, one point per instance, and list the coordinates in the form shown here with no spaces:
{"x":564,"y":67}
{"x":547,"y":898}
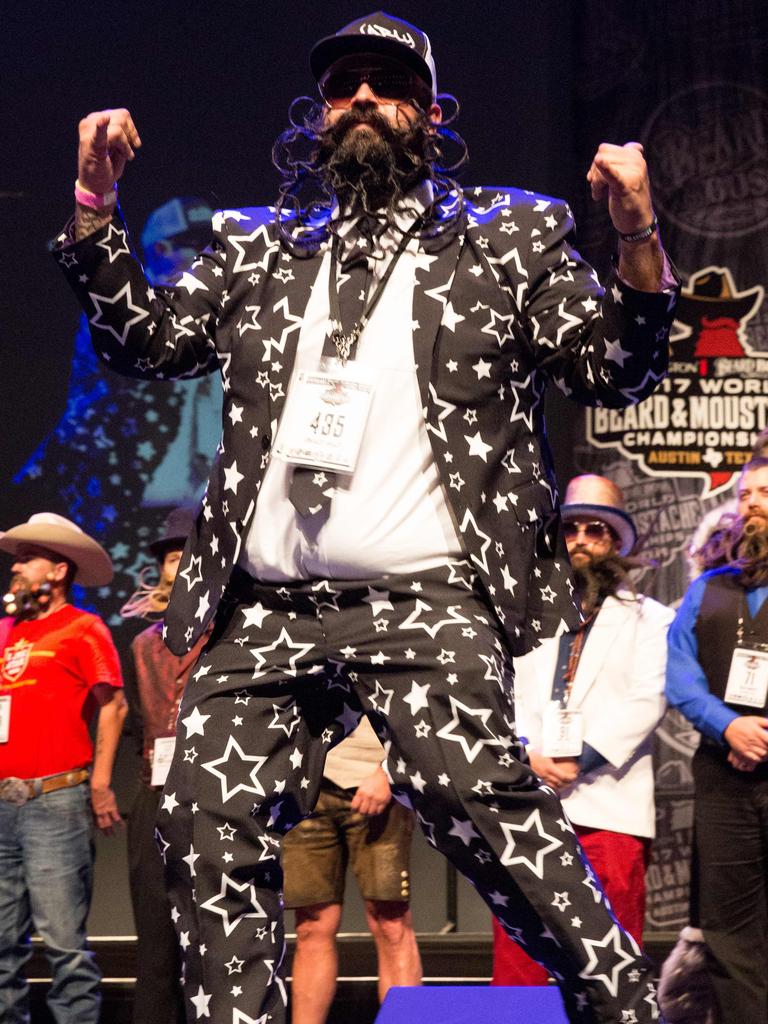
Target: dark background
{"x":209,"y":84}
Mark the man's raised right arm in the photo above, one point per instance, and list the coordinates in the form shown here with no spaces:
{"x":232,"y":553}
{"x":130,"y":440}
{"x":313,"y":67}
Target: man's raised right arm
{"x":108,"y":140}
{"x":136,"y":329}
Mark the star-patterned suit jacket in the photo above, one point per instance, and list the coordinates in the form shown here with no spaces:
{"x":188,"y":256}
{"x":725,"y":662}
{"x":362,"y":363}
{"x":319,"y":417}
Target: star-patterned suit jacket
{"x":501,"y":305}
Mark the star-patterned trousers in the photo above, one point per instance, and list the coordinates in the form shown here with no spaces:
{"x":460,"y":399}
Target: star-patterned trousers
{"x":288,"y":672}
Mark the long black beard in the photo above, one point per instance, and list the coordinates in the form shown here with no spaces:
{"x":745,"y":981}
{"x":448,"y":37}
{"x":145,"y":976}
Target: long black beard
{"x":603,"y":577}
{"x":320,"y":170}
{"x":371,"y":171}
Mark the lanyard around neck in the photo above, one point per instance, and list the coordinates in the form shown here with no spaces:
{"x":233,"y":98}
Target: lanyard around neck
{"x":343,"y":340}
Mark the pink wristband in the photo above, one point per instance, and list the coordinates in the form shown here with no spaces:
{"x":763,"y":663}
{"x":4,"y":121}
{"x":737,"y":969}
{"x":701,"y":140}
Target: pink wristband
{"x":95,"y":200}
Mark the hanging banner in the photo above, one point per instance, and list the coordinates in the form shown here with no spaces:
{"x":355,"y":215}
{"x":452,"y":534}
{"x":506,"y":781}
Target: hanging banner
{"x":686,"y":81}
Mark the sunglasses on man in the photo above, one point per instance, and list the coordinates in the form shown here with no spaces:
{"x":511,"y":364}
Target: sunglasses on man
{"x":594,"y":530}
{"x":339,"y":86}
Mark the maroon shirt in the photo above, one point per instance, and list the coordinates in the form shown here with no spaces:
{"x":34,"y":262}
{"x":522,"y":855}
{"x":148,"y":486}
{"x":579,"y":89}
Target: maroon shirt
{"x":160,"y":681}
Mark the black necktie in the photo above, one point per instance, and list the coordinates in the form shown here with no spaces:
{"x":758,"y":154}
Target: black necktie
{"x":311,"y":490}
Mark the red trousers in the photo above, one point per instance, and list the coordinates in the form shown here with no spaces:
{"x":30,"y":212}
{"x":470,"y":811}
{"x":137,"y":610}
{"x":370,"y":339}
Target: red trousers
{"x":620,"y":862}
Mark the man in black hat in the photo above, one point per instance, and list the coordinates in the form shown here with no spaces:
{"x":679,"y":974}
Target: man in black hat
{"x":155,"y":680}
{"x":380,"y":533}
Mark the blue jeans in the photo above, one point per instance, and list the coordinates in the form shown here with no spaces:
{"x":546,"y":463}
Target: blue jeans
{"x":46,"y":872}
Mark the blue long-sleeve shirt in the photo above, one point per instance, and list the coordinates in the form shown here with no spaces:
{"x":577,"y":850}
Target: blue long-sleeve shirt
{"x":686,"y":685}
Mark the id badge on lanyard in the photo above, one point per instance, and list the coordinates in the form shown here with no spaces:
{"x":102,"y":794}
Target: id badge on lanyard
{"x":5,"y":718}
{"x":324,"y":419}
{"x":748,"y":678}
{"x":562,"y":731}
{"x":162,"y":755}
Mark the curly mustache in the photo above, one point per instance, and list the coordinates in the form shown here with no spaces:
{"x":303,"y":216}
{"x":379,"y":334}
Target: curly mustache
{"x":365,"y":172}
{"x":744,"y":545}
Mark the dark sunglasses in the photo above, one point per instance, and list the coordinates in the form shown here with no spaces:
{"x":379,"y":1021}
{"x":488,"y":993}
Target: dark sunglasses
{"x":338,"y":87}
{"x":592,"y":531}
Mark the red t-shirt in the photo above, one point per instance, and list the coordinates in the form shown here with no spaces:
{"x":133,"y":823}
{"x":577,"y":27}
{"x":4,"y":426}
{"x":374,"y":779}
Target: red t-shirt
{"x":48,"y":667}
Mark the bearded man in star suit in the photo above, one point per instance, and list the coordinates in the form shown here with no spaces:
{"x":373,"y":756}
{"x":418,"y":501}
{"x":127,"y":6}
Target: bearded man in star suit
{"x":380,"y":532}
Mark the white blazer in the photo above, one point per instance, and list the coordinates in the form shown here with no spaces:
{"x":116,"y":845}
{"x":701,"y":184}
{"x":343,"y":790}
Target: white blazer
{"x":619,"y":688}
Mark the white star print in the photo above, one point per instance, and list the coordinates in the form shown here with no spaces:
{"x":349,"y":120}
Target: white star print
{"x":104,"y":300}
{"x":239,"y":1017}
{"x":451,"y":317}
{"x":115,"y":243}
{"x":379,"y":602}
{"x":226,"y":831}
{"x":229,"y":923}
{"x":190,"y":860}
{"x":471,"y":750}
{"x":411,"y":621}
{"x":501,"y":332}
{"x":445,"y":410}
{"x":482,"y":369}
{"x":203,"y":605}
{"x":293,"y":720}
{"x":611,"y":939}
{"x":195,"y":723}
{"x":561,"y":901}
{"x":550,"y":843}
{"x":255,"y":616}
{"x":509,"y":580}
{"x":477,"y":446}
{"x":283,"y":640}
{"x":232,"y":477}
{"x":170,"y":802}
{"x":615,"y":353}
{"x":241,"y":264}
{"x":193,"y":573}
{"x":255,"y":759}
{"x":191,"y":283}
{"x":381,"y":698}
{"x":200,"y":1003}
{"x":235,"y":966}
{"x":417,"y":698}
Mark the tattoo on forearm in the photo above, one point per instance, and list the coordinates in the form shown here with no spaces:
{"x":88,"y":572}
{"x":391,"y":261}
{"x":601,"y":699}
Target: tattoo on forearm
{"x":87,"y":220}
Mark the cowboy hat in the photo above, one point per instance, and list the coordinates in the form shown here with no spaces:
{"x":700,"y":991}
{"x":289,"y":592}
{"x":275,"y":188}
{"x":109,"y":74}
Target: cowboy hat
{"x":62,"y":537}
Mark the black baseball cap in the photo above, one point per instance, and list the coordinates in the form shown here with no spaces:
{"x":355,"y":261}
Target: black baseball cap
{"x":378,"y":33}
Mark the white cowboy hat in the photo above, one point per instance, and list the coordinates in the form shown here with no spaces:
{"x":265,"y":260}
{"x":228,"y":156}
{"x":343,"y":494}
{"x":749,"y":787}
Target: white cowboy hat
{"x":65,"y":538}
{"x":597,"y":496}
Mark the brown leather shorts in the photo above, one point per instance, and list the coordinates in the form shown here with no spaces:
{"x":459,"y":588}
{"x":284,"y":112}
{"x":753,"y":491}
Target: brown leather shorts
{"x":317,"y":852}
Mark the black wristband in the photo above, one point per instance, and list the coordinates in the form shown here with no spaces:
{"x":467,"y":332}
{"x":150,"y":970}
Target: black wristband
{"x":640,"y":236}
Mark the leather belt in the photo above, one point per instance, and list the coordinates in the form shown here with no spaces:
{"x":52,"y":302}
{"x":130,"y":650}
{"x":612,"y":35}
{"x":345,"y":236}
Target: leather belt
{"x":18,"y":791}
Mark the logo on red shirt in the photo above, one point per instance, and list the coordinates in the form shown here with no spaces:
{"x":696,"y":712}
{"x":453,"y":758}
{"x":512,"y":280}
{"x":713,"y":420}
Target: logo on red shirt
{"x":16,"y":659}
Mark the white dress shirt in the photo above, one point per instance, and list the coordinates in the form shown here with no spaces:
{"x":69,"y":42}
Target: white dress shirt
{"x":390,"y":515}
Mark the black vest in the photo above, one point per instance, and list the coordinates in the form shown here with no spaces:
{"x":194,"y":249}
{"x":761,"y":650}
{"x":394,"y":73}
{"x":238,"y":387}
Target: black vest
{"x":724,"y":601}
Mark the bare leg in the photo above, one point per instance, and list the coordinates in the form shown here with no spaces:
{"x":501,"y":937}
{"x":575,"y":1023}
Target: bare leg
{"x":391,"y":926}
{"x":315,"y":963}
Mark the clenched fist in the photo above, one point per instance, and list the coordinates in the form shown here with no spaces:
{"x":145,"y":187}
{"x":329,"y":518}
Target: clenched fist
{"x":620,"y":173}
{"x":108,"y":139}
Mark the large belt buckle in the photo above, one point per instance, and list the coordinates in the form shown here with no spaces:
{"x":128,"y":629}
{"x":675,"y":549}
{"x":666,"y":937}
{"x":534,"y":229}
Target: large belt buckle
{"x":14,"y":791}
